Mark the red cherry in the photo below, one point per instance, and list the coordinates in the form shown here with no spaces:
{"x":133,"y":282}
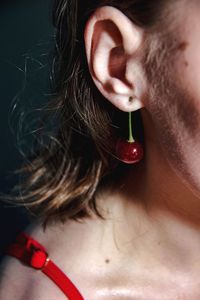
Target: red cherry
{"x":129,"y":152}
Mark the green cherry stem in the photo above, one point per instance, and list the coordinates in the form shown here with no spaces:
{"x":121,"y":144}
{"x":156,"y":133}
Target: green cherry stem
{"x":131,"y":139}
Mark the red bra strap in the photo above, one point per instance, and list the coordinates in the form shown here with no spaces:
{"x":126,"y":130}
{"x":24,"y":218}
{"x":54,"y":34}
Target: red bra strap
{"x":30,"y":252}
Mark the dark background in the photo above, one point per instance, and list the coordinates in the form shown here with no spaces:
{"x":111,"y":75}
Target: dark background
{"x":26,"y":38}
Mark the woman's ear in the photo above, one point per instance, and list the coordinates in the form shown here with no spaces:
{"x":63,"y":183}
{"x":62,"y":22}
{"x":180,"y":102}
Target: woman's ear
{"x":114,"y":46}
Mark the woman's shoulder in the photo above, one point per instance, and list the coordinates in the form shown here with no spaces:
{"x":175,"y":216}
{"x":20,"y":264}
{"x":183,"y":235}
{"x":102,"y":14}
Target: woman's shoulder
{"x":19,"y":282}
{"x":69,"y":247}
{"x":13,"y":280}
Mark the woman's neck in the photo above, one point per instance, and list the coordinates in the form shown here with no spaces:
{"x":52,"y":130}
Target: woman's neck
{"x":155,"y":214}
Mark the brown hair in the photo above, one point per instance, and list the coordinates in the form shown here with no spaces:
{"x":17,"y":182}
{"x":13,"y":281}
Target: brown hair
{"x":63,"y":177}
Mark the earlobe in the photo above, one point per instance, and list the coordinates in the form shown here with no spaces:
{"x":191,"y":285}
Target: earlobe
{"x":113,"y":45}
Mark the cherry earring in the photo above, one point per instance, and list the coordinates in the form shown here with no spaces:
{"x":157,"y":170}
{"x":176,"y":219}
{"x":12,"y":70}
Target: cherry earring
{"x":129,"y":151}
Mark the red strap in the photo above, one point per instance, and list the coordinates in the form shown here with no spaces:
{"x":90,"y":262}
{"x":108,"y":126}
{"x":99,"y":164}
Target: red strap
{"x":30,"y":252}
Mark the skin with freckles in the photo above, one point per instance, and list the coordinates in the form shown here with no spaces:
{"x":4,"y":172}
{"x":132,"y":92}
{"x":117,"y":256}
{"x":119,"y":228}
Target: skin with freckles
{"x":148,"y":247}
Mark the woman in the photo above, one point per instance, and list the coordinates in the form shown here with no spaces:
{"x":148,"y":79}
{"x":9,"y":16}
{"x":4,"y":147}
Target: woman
{"x":130,"y":226}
